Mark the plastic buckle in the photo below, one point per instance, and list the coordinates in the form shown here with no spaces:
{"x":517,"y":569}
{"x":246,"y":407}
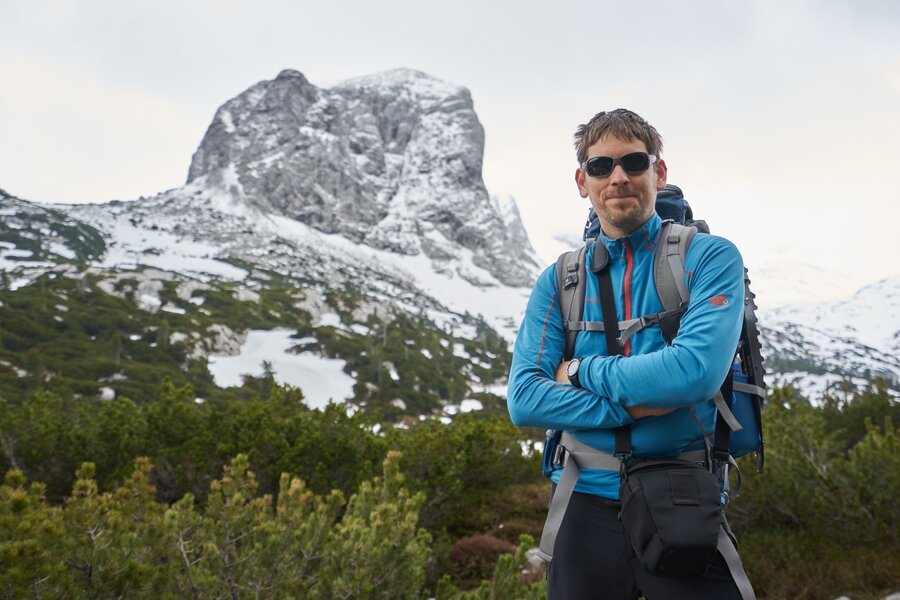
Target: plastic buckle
{"x":570,"y":281}
{"x":559,"y":457}
{"x":721,"y":471}
{"x":624,"y":458}
{"x":720,"y":457}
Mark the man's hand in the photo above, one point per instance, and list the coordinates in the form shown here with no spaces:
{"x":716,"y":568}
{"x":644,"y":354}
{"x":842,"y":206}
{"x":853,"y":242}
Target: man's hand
{"x":561,"y":375}
{"x":636,"y":412}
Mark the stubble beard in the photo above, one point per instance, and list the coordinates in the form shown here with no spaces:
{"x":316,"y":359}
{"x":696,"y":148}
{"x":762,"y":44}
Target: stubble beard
{"x":624,"y":221}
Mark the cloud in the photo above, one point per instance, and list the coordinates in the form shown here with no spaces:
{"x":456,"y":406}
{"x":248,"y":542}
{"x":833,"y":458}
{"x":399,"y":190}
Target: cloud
{"x":80,"y":138}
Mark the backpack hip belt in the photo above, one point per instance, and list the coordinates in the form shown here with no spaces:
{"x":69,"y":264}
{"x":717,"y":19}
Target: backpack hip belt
{"x":574,"y":456}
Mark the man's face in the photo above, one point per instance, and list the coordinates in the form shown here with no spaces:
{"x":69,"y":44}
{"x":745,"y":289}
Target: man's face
{"x":624,"y":202}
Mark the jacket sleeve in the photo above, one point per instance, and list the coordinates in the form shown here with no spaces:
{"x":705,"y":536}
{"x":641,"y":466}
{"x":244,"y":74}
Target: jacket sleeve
{"x":694,"y":366}
{"x":534,"y":397}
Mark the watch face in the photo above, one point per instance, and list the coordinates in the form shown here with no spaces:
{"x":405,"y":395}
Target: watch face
{"x":572,"y":368}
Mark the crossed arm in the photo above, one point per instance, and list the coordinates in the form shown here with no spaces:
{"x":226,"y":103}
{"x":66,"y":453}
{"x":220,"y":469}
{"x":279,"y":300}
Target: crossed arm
{"x":636,"y":412}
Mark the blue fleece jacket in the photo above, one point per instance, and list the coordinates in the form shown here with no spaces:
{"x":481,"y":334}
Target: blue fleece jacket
{"x":684,"y":375}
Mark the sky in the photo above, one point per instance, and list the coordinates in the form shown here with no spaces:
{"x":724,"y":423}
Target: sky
{"x":779,"y":116}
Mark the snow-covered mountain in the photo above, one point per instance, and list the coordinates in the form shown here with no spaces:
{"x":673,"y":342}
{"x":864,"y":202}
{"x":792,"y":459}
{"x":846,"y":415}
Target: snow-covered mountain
{"x":814,"y":345}
{"x":374,"y":183}
{"x":392,"y":161}
{"x":373,"y":186}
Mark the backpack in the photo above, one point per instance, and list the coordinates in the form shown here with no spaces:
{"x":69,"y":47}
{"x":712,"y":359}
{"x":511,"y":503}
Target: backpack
{"x":739,"y":421}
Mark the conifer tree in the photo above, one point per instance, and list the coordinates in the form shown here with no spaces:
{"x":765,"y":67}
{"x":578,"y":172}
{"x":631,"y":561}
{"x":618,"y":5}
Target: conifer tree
{"x":378,"y":551}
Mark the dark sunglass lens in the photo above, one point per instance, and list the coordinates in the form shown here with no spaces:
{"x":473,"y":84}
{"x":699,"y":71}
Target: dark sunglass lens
{"x":599,"y":166}
{"x":636,"y":162}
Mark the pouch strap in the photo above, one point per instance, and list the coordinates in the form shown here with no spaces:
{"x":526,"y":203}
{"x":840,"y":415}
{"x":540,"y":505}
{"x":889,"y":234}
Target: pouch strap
{"x":728,"y":551}
{"x":614,"y":347}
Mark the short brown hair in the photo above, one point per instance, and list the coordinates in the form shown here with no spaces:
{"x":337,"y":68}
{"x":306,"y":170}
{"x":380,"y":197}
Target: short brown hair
{"x":621,"y":123}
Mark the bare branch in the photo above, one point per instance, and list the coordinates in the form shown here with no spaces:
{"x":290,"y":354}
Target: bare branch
{"x":188,"y":564}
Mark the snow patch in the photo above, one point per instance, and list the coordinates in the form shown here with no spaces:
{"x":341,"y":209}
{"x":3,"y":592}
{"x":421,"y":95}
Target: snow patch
{"x":61,"y":250}
{"x":171,"y":308}
{"x":330,"y":320}
{"x":19,"y":372}
{"x":322,"y":379}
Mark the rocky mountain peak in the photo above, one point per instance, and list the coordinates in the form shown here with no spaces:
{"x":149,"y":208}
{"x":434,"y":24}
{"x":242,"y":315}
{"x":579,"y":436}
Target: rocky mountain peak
{"x":391,"y":160}
{"x":410,"y":83}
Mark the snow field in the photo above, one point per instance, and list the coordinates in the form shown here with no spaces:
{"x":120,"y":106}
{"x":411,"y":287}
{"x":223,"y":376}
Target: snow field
{"x":322,"y":379}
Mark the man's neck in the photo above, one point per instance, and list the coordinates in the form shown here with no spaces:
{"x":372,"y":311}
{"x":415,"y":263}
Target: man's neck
{"x":614,"y":233}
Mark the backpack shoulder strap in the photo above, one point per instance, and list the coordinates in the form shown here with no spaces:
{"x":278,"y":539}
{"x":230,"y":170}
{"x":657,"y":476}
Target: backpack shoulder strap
{"x":668,"y":267}
{"x":570,"y":285}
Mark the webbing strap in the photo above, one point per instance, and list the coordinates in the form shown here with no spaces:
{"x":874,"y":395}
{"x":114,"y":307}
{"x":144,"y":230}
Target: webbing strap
{"x":674,"y":251}
{"x":668,"y":264}
{"x":570,"y":285}
{"x":722,"y":434}
{"x":732,"y":464}
{"x":589,"y":457}
{"x":638,"y":325}
{"x":726,"y":548}
{"x":558,"y":506}
{"x":579,"y":455}
{"x":725,"y":411}
{"x":599,"y":325}
{"x":740,"y":386}
{"x":608,"y":307}
{"x":648,"y":320}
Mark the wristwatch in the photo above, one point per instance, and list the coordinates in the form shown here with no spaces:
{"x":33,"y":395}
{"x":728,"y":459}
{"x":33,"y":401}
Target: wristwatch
{"x":572,"y":371}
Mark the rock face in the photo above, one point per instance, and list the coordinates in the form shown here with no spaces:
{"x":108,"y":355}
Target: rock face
{"x":392,"y":161}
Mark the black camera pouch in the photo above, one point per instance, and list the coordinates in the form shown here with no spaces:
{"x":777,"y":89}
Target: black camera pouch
{"x":671,"y":513}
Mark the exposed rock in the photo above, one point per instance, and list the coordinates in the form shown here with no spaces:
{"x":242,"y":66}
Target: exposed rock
{"x":223,"y":340}
{"x":392,"y":160}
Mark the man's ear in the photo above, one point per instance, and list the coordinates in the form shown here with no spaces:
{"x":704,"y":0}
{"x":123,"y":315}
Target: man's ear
{"x":661,"y":173}
{"x":580,"y":181}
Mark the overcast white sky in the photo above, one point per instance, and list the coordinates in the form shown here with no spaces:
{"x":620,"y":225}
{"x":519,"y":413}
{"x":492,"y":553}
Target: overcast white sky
{"x":780,"y":117}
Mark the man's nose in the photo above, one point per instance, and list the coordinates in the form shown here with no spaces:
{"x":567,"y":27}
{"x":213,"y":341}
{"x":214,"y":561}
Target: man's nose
{"x":618,"y":175}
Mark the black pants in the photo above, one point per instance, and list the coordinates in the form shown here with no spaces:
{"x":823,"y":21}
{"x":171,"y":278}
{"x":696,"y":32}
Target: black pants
{"x":591,"y":561}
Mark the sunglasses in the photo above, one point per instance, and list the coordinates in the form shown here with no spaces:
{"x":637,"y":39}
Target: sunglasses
{"x":633,"y":164}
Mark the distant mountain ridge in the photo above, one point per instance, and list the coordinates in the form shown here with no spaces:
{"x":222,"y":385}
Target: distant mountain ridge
{"x":822,"y":344}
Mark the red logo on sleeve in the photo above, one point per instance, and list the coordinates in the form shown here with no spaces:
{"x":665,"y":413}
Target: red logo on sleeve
{"x":719,"y":300}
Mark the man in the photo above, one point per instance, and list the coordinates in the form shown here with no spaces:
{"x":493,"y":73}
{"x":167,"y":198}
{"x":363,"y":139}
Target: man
{"x":662,"y":391}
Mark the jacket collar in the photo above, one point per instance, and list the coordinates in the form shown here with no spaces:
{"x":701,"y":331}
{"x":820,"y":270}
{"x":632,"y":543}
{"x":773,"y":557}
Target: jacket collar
{"x":644,"y":238}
